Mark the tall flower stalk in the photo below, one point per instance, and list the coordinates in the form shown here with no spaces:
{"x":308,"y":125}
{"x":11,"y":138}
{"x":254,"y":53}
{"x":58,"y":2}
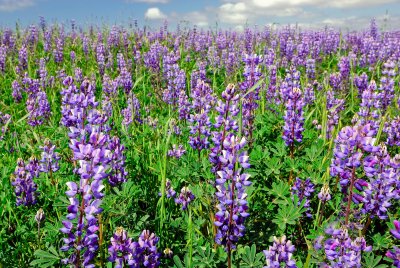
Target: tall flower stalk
{"x":231,"y":194}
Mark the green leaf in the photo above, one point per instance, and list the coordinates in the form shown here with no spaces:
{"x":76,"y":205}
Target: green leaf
{"x":372,"y":261}
{"x":45,"y":258}
{"x":289,"y":213}
{"x":250,"y":258}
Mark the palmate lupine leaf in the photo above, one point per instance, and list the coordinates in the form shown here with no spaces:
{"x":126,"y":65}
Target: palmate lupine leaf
{"x":46,"y":258}
{"x":289,"y":212}
{"x":250,"y":257}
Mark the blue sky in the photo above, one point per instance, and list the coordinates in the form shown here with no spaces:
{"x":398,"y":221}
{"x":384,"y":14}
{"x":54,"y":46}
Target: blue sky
{"x":235,"y":14}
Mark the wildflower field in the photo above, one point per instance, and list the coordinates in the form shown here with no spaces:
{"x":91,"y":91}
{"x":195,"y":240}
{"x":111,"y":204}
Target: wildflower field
{"x":123,"y":146}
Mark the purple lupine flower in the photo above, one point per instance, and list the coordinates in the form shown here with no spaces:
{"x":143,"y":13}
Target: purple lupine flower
{"x":110,"y":86}
{"x":37,"y":104}
{"x":42,"y":73}
{"x":85,"y":199}
{"x":335,"y":81}
{"x":185,"y":197}
{"x":23,"y":58}
{"x":47,"y":40}
{"x":25,"y":187}
{"x":122,"y":249}
{"x":40,"y":216}
{"x":152,"y":58}
{"x":324,"y":195}
{"x":132,"y":112}
{"x":5,"y":120}
{"x":252,"y":75}
{"x":309,"y":96}
{"x":169,"y":190}
{"x":342,"y":251}
{"x":361,"y":83}
{"x":85,"y":45}
{"x":49,"y":161}
{"x":202,"y":102}
{"x":382,"y":183}
{"x":83,"y":238}
{"x":344,"y":68}
{"x":369,"y":106}
{"x":272,"y":93}
{"x":3,"y":58}
{"x":280,"y":254}
{"x":350,"y":145}
{"x":176,"y":151}
{"x":118,"y":173}
{"x":231,"y":193}
{"x":184,"y":105}
{"x":386,"y":88}
{"x":294,"y":120}
{"x":90,"y":150}
{"x":16,"y":94}
{"x":392,"y":130}
{"x":176,"y":80}
{"x":72,"y":56}
{"x":225,"y":122}
{"x":58,"y":52}
{"x":200,"y":74}
{"x":310,"y":68}
{"x":395,"y":253}
{"x":147,"y":254}
{"x":125,"y":80}
{"x":100,"y":58}
{"x":303,"y":190}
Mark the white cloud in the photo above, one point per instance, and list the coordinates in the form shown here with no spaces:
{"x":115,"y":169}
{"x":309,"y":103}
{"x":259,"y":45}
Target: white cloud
{"x":148,"y":1}
{"x":196,"y":18}
{"x":154,"y":13}
{"x":12,"y":5}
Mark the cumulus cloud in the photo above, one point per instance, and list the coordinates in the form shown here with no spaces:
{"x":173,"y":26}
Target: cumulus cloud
{"x":148,"y":1}
{"x":154,"y":13}
{"x":12,"y":5}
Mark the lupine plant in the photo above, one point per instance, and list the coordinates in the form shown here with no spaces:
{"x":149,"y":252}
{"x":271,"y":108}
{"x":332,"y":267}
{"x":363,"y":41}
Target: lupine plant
{"x":110,"y":132}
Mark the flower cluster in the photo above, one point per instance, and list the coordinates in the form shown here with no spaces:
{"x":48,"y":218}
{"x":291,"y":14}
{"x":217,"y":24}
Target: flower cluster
{"x":5,"y":120}
{"x":202,"y":102}
{"x":118,"y":173}
{"x":25,"y":187}
{"x":177,"y":151}
{"x":231,"y":193}
{"x":383,"y":176}
{"x":280,"y":254}
{"x":369,"y":106}
{"x":343,"y":251}
{"x":121,"y":249}
{"x":395,"y":253}
{"x":147,"y":250}
{"x":175,"y":78}
{"x":132,"y":112}
{"x":226,"y":122}
{"x":350,"y":145}
{"x":294,"y":120}
{"x":185,"y":197}
{"x":324,"y":195}
{"x":303,"y":190}
{"x":126,"y":253}
{"x":169,"y":190}
{"x":386,"y":88}
{"x":49,"y":161}
{"x":252,"y":75}
{"x":392,"y":130}
{"x":37,"y":104}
